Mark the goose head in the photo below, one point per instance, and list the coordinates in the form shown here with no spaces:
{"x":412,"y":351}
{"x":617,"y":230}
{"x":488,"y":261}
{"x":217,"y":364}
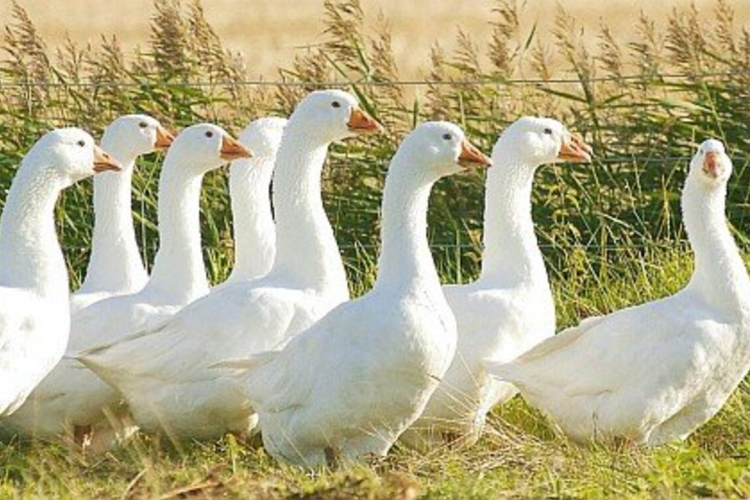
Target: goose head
{"x":72,"y":154}
{"x":206,"y":147}
{"x":436,"y":149}
{"x":137,"y":135}
{"x":263,"y":136}
{"x":710,"y":165}
{"x":539,"y":141}
{"x":332,"y":115}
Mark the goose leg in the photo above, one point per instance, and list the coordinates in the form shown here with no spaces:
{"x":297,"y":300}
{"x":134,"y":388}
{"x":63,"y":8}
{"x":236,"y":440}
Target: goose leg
{"x":82,"y":435}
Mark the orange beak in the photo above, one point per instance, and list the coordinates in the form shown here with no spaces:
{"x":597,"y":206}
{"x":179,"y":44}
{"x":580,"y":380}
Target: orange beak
{"x":711,"y":164}
{"x":104,"y":162}
{"x":232,"y":149}
{"x":164,"y":138}
{"x":360,"y":122}
{"x":575,"y":150}
{"x":471,"y":157}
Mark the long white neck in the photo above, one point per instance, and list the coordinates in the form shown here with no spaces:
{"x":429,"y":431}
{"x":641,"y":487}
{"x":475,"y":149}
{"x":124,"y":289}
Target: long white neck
{"x":511,"y":252}
{"x":307,"y":255}
{"x":115,"y":264}
{"x":254,"y":230}
{"x":179,"y":274}
{"x":30,"y":254}
{"x":720,"y":275}
{"x":405,"y":260}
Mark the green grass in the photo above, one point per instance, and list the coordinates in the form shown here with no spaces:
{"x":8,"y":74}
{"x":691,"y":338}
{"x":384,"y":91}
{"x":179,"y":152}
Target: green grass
{"x":519,"y":454}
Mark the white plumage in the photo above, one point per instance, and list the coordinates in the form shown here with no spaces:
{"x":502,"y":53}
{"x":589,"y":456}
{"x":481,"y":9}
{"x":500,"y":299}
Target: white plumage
{"x":654,"y":373}
{"x":349,"y":385}
{"x":165,"y":373}
{"x":509,"y":308}
{"x":72,"y":396}
{"x":34,"y":310}
{"x":115,"y":267}
{"x":249,"y":190}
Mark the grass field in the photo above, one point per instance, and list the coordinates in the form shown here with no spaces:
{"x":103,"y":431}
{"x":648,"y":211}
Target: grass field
{"x":518,"y":456}
{"x":610,"y":231}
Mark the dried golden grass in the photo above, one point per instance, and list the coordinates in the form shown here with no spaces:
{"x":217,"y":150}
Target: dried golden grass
{"x":268,"y":31}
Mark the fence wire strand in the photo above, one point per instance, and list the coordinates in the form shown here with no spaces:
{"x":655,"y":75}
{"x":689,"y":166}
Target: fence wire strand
{"x":382,"y":83}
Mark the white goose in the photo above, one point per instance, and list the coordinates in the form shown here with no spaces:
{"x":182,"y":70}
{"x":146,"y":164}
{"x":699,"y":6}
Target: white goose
{"x":249,"y":189}
{"x":34,"y":311}
{"x":165,"y":374}
{"x":509,"y":308}
{"x":654,"y":373}
{"x":72,"y":397}
{"x":349,"y":385}
{"x":115,"y":266}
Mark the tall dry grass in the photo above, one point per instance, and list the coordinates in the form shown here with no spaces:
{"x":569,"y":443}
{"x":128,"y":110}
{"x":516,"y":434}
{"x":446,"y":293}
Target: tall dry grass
{"x":269,"y":31}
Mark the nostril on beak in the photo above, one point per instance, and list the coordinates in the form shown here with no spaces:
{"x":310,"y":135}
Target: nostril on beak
{"x":711,"y":163}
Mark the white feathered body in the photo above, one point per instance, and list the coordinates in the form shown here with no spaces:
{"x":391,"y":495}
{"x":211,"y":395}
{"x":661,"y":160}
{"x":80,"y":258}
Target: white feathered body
{"x":166,"y":376}
{"x":509,"y":308}
{"x":356,"y":380}
{"x":34,"y":307}
{"x":252,"y":320}
{"x":650,"y":373}
{"x":348,"y":387}
{"x":31,"y":343}
{"x":73,"y":395}
{"x":654,"y":373}
{"x":496,"y":323}
{"x":82,"y":300}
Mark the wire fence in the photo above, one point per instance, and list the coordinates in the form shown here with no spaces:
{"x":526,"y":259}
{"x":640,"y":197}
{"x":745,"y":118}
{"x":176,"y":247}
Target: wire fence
{"x":152,"y":248}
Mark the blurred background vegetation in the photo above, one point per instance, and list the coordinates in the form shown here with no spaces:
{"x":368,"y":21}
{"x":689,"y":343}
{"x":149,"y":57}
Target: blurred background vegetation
{"x":643,"y":105}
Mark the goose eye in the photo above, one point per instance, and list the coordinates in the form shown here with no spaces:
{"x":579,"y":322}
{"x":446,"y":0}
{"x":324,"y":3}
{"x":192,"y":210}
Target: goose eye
{"x":447,"y":137}
{"x":209,"y":134}
{"x":548,"y":131}
{"x":336,"y":104}
{"x":143,"y":124}
{"x":82,"y":143}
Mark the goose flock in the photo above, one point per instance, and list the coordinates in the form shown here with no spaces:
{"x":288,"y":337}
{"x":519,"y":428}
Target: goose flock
{"x":280,"y":348}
